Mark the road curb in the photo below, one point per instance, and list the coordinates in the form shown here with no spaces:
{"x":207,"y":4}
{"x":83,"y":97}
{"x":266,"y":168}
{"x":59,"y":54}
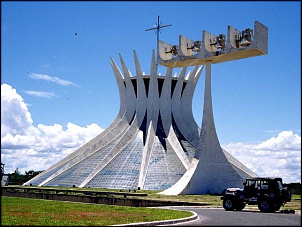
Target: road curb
{"x":164,"y":222}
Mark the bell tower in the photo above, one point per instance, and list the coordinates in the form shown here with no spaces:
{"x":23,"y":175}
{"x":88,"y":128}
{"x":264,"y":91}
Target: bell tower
{"x":212,"y":168}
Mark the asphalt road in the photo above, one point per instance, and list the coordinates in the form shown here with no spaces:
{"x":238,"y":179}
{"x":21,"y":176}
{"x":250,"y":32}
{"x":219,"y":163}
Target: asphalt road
{"x":246,"y":217}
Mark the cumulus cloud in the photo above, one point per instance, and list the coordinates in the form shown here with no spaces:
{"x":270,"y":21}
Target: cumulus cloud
{"x":15,"y":118}
{"x":278,"y":156}
{"x":28,"y":147}
{"x":286,"y":140}
{"x":53,"y":79}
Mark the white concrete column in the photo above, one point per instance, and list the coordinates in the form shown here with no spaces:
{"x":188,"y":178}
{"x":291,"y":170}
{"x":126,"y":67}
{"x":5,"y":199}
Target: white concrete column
{"x":208,"y":130}
{"x":141,"y":105}
{"x":131,"y":99}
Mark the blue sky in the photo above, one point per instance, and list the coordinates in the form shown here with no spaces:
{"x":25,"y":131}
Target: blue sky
{"x":60,"y":80}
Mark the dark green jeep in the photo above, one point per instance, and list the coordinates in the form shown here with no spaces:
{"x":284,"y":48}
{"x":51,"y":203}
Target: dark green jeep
{"x":266,"y":192}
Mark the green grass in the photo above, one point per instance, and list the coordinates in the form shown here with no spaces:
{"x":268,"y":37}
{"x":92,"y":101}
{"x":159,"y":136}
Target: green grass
{"x":36,"y":212}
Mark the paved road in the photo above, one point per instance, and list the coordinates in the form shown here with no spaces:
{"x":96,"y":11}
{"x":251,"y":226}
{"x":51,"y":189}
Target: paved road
{"x":246,"y":217}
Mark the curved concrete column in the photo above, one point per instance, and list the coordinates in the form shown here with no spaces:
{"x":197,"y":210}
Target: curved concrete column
{"x":153,"y":96}
{"x":180,"y":185}
{"x":172,"y":138}
{"x":165,"y":101}
{"x":121,"y":87}
{"x":176,"y":105}
{"x":131,"y":98}
{"x":191,"y":129}
{"x":147,"y":151}
{"x":141,"y":105}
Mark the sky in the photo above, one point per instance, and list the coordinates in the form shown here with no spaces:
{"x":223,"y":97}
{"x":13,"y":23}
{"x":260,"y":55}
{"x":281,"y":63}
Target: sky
{"x":58,"y":90}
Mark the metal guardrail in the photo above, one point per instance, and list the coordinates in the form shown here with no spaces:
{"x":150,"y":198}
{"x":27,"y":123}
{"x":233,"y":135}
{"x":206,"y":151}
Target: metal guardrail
{"x":69,"y":191}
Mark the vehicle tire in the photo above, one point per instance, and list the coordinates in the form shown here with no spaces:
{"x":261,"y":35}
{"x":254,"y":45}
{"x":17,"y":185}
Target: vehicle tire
{"x":276,"y":207}
{"x":240,"y":206}
{"x":228,"y":204}
{"x":265,"y":206}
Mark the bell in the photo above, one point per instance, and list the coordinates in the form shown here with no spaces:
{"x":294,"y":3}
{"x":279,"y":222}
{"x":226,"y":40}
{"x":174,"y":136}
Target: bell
{"x":246,"y":43}
{"x":247,"y":34}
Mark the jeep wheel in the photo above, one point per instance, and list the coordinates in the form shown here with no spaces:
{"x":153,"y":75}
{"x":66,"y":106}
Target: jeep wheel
{"x":276,"y":207}
{"x":228,"y":204}
{"x":240,"y":206}
{"x":265,"y":206}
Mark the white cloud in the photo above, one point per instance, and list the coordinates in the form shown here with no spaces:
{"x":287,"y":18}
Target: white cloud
{"x":27,"y":147}
{"x":41,"y":94}
{"x":276,"y":157}
{"x":285,"y":140}
{"x":51,"y":79}
{"x":15,"y":118}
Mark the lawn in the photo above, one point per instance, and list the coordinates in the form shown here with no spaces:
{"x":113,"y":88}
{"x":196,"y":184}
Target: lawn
{"x":37,"y":212}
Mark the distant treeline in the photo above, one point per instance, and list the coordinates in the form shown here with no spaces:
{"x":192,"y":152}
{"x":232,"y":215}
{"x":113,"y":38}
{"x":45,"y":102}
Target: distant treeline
{"x":16,"y":178}
{"x":295,"y":188}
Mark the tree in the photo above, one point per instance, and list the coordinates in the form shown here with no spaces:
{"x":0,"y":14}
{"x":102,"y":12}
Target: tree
{"x":16,"y":177}
{"x":31,"y":174}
